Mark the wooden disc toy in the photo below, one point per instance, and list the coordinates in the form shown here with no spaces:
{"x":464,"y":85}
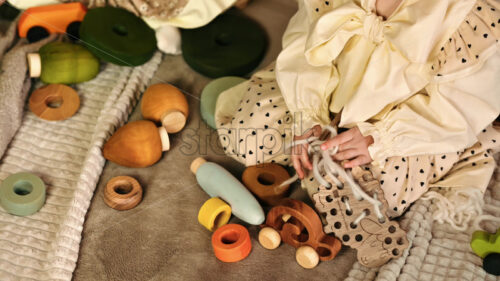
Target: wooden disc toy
{"x":22,"y":194}
{"x":138,"y":144}
{"x":264,"y":181}
{"x":54,"y":102}
{"x":231,"y":243}
{"x":122,"y":193}
{"x":214,"y":213}
{"x":166,"y":104}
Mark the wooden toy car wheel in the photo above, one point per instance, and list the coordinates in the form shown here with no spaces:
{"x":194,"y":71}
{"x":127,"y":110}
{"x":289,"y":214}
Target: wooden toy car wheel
{"x":37,"y":33}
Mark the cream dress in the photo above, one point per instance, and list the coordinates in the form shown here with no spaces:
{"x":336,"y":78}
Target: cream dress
{"x":424,"y":83}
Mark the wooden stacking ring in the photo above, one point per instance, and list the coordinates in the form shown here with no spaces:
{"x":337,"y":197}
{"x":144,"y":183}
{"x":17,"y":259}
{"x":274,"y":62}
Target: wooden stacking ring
{"x":54,"y":102}
{"x":264,"y":181}
{"x":231,"y":243}
{"x":22,"y":194}
{"x":122,"y":193}
{"x":214,"y":213}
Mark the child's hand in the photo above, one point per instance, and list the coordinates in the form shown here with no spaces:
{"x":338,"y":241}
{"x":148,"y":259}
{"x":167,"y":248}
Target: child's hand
{"x":352,"y":146}
{"x":300,"y":158}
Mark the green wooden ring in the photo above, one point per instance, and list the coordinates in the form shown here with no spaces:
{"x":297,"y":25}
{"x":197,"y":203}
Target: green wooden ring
{"x":229,"y":45}
{"x":22,"y":194}
{"x":117,"y":36}
{"x":210,"y":94}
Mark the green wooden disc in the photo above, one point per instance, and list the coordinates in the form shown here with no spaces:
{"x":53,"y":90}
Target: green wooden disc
{"x":229,"y":45}
{"x":117,"y":36}
{"x":22,"y":194}
{"x":210,"y":94}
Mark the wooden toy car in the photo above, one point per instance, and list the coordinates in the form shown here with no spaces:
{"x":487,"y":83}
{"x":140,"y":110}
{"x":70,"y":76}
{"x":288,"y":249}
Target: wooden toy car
{"x":38,"y":22}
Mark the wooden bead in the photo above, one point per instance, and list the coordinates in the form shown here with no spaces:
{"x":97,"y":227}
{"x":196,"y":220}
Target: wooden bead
{"x":166,"y":104}
{"x":137,"y":144}
{"x":22,"y":194}
{"x":269,"y":238}
{"x":122,"y":193}
{"x":307,"y":257}
{"x":54,"y":102}
{"x":231,"y":243}
{"x":264,"y":181}
{"x":214,"y":213}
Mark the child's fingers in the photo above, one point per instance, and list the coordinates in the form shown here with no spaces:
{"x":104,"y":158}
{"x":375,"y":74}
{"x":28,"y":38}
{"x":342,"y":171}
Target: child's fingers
{"x":297,"y":166}
{"x":304,"y":157}
{"x":347,"y":154}
{"x":358,"y":161}
{"x":337,"y":140}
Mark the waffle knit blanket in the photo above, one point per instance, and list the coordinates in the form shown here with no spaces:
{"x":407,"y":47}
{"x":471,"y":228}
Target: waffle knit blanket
{"x":437,"y":251}
{"x":67,"y":156}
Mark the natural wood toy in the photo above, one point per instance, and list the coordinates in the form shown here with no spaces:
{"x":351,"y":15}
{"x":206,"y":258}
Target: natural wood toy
{"x":117,"y":36}
{"x":298,"y":225}
{"x":54,"y":102}
{"x":357,"y":223}
{"x":138,"y":144}
{"x":22,"y":194}
{"x":38,"y":22}
{"x":264,"y":181}
{"x":218,"y":182}
{"x":231,"y":44}
{"x":166,"y":104}
{"x":487,"y":246}
{"x":231,"y":243}
{"x":122,"y":193}
{"x":214,"y":213}
{"x":63,"y":63}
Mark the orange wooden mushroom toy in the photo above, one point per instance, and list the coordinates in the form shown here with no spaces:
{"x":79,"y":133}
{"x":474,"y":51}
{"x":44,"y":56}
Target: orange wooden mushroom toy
{"x":166,"y":104}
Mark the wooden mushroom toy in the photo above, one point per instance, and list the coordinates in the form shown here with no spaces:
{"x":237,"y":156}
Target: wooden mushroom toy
{"x":166,"y":104}
{"x":137,"y":144}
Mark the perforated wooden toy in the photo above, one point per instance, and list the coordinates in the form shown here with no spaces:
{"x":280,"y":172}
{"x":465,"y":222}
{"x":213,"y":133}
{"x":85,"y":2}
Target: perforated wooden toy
{"x":487,"y":246}
{"x":166,"y":104}
{"x":301,"y":228}
{"x":122,"y":193}
{"x":357,"y":223}
{"x":54,"y":102}
{"x":264,"y":181}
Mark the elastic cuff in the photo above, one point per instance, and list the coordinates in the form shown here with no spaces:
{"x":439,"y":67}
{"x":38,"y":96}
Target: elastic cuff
{"x":382,"y":146}
{"x":303,"y":121}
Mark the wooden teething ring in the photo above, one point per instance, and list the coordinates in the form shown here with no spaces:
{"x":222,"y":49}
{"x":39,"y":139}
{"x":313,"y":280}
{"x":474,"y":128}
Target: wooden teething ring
{"x":54,"y":102}
{"x":264,"y":181}
{"x":122,"y":193}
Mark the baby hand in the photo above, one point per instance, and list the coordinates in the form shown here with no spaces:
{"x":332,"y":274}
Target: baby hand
{"x":353,"y":146}
{"x":300,"y":158}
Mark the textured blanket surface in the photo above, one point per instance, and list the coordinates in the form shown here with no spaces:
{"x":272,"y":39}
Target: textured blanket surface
{"x":67,"y":156}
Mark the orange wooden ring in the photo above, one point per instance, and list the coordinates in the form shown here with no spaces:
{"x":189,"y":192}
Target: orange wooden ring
{"x":264,"y":181}
{"x":122,"y":193}
{"x":231,"y":243}
{"x":54,"y":102}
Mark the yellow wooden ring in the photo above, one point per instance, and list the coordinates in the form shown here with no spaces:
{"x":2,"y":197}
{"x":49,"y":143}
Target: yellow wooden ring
{"x":214,"y":213}
{"x":122,"y":193}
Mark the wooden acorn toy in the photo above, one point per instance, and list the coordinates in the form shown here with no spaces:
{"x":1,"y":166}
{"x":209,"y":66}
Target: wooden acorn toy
{"x":166,"y":104}
{"x":138,"y":144}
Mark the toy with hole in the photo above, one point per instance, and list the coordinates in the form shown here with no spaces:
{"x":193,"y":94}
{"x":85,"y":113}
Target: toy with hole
{"x":487,"y":246}
{"x":63,"y":63}
{"x":38,"y":22}
{"x":214,"y":213}
{"x":299,"y":226}
{"x":117,"y":36}
{"x":211,"y":92}
{"x":166,"y":104}
{"x":122,"y":193}
{"x":231,"y":44}
{"x":264,"y":181}
{"x":231,"y":243}
{"x":357,"y":222}
{"x":54,"y":102}
{"x":22,"y":194}
{"x":218,"y":182}
{"x":137,"y":144}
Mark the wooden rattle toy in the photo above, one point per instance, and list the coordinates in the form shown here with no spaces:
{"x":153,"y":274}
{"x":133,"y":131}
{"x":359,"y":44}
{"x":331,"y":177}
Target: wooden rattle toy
{"x":166,"y":104}
{"x":117,"y":36}
{"x":63,"y":63}
{"x":218,"y":182}
{"x":487,"y":246}
{"x":264,"y":181}
{"x":231,"y":243}
{"x":54,"y":102}
{"x":299,"y":226}
{"x":357,"y":223}
{"x":211,"y":93}
{"x":22,"y":194}
{"x":214,"y":213}
{"x":138,"y":144}
{"x":38,"y":22}
{"x":122,"y":193}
